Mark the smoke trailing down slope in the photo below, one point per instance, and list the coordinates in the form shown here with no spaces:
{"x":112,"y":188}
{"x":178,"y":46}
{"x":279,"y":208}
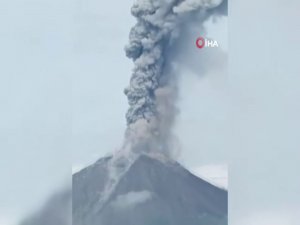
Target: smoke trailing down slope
{"x":153,"y":88}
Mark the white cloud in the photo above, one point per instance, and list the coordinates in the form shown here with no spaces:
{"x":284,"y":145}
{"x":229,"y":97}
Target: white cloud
{"x":131,"y":199}
{"x":76,"y":168}
{"x":278,"y":217}
{"x":214,"y":174}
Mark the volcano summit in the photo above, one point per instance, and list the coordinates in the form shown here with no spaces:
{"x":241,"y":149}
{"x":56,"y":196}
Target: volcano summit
{"x":152,"y":192}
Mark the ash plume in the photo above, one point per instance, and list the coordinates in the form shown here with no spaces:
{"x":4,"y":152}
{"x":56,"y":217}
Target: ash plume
{"x":152,"y":91}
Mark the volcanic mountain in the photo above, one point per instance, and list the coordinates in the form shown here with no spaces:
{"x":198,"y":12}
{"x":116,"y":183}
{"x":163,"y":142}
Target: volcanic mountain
{"x":151,"y":192}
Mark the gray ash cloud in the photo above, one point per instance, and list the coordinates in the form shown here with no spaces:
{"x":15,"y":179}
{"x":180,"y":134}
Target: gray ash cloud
{"x":152,"y":91}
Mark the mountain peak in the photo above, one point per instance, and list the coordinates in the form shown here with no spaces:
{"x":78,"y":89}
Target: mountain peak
{"x":151,"y":192}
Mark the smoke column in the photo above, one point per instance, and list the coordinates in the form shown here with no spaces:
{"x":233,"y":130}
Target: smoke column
{"x":152,"y":91}
{"x":153,"y":88}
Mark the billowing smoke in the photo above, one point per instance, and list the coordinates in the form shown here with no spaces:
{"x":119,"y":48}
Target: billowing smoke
{"x":152,"y":91}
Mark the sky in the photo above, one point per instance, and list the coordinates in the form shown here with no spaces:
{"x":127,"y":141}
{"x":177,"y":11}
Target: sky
{"x":62,"y":75}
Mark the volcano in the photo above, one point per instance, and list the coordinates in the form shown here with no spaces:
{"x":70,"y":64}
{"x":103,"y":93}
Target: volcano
{"x":151,"y":192}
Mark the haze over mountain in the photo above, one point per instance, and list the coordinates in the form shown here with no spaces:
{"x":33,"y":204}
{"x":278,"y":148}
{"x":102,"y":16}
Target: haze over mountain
{"x":56,"y":211}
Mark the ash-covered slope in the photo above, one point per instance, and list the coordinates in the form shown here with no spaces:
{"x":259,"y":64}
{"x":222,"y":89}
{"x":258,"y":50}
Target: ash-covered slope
{"x":151,"y":192}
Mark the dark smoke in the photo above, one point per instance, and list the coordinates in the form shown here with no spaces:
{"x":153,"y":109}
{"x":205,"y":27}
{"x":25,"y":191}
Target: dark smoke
{"x":152,"y":91}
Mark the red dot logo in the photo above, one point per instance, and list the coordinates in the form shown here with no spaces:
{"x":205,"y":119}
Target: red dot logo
{"x":200,"y":42}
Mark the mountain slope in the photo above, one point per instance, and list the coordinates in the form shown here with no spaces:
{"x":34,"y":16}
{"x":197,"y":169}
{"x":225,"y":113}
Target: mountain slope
{"x":151,"y":192}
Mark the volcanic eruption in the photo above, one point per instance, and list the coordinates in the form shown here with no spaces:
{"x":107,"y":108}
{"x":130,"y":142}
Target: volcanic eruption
{"x":142,"y":183}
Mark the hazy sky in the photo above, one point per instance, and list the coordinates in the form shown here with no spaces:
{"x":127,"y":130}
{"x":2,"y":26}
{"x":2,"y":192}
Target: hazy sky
{"x":264,"y":76}
{"x":62,"y":75}
{"x":35,"y":102}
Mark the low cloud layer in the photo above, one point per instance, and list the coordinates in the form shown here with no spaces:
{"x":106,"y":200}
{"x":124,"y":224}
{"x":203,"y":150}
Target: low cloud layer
{"x":214,"y":174}
{"x":278,"y":217}
{"x":131,"y":199}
